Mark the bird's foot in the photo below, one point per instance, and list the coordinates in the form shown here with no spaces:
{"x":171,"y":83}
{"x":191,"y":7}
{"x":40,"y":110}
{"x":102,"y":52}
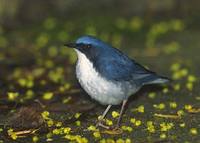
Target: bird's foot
{"x":101,"y":124}
{"x":115,"y":128}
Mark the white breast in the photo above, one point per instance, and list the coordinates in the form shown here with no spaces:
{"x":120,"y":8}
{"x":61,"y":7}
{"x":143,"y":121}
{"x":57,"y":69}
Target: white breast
{"x":100,"y":89}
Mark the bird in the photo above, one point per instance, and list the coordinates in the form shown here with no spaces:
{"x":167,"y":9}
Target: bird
{"x":108,"y":75}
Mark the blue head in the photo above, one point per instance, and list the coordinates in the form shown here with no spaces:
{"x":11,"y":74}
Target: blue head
{"x":90,"y":40}
{"x":92,"y":47}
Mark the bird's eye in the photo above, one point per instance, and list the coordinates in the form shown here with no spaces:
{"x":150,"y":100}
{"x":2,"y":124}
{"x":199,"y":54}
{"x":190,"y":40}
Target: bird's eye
{"x":88,"y":46}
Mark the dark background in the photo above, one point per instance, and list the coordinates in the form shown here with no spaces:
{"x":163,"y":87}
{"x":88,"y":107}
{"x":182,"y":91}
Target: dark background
{"x":37,"y":71}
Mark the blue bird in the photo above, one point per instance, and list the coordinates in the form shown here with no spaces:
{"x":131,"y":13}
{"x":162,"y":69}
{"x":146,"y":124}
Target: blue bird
{"x":108,"y":75}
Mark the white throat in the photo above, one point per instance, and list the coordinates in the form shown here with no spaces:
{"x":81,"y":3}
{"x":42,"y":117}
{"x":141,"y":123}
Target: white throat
{"x":102,"y":90}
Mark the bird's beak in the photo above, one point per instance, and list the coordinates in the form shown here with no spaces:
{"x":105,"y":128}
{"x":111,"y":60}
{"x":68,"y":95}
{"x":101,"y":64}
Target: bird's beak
{"x":71,"y":45}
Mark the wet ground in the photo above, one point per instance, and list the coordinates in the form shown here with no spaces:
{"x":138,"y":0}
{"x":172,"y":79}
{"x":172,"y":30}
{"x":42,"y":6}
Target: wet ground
{"x":40,"y":99}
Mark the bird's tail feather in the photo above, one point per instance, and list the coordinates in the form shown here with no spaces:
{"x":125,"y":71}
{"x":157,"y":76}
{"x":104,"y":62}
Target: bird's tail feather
{"x":155,"y":79}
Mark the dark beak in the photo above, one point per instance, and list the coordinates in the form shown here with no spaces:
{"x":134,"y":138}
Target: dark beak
{"x":71,"y":45}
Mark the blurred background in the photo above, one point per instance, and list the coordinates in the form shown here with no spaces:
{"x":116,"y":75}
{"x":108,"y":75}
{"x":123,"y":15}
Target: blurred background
{"x":163,"y":35}
{"x":28,"y":25}
{"x":167,"y":25}
{"x":33,"y":32}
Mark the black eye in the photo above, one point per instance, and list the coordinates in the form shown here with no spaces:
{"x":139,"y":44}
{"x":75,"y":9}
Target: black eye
{"x":88,"y":46}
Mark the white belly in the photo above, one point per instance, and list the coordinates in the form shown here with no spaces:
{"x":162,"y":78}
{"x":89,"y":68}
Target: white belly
{"x":104,"y":91}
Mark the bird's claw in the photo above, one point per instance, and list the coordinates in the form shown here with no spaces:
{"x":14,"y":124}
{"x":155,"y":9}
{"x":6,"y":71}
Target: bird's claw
{"x":101,"y":124}
{"x":113,"y":128}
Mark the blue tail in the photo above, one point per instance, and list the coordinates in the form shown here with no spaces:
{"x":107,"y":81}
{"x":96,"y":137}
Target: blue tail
{"x":154,"y":79}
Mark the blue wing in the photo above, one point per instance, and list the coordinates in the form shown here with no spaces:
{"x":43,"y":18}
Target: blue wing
{"x":119,"y":67}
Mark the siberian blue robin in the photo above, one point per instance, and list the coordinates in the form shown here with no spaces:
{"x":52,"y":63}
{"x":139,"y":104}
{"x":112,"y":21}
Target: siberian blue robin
{"x":108,"y":75}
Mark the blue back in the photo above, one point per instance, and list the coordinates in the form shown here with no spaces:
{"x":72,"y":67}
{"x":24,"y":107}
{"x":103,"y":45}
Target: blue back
{"x":113,"y":64}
